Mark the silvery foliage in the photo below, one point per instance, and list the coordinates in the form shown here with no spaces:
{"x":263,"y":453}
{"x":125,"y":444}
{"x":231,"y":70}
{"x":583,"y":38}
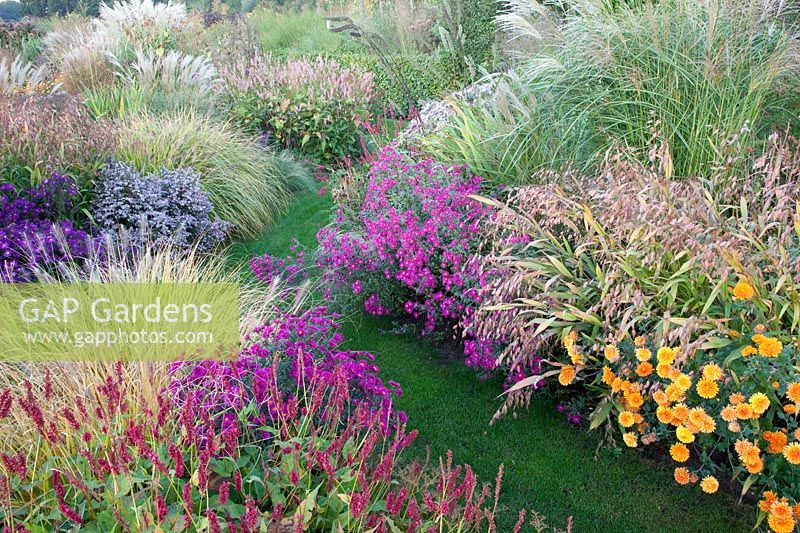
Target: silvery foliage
{"x":170,"y":205}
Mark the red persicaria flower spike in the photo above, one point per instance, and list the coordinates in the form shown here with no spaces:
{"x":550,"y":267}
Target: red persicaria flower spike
{"x":224,"y":490}
{"x":6,"y":401}
{"x":213,"y":521}
{"x":58,"y":487}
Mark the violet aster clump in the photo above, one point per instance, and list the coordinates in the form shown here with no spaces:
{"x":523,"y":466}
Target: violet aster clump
{"x":34,"y":233}
{"x":170,"y":204}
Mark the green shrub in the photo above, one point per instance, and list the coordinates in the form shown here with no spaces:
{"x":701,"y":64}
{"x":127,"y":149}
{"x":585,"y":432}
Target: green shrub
{"x":247,"y":183}
{"x":691,"y":74}
{"x":312,"y":105}
{"x":478,"y":24}
{"x":425,"y":77}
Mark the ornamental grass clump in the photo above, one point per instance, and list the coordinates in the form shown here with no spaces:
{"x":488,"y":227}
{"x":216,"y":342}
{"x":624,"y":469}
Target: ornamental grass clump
{"x":410,"y":249}
{"x":170,"y":204}
{"x":315,"y":105}
{"x":598,"y":77}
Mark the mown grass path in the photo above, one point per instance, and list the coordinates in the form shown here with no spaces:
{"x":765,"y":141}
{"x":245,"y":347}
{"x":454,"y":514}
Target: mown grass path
{"x":549,"y":466}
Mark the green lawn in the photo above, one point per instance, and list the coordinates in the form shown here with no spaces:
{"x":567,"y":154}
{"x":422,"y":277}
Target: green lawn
{"x":549,"y":466}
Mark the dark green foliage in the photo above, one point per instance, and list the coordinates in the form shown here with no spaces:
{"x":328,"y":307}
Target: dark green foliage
{"x":47,"y":8}
{"x":426,"y":77}
{"x":479,"y":29}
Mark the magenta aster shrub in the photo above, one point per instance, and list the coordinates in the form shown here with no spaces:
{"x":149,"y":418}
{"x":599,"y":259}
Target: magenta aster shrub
{"x":34,"y":232}
{"x":411,"y":248}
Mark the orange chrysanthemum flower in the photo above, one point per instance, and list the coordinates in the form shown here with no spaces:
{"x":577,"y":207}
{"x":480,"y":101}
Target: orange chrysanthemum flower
{"x":768,"y":498}
{"x":681,"y":475}
{"x":792,"y":453}
{"x":626,"y":419}
{"x":643,"y":354}
{"x":743,"y":291}
{"x":630,"y":439}
{"x":608,"y":375}
{"x":611,"y":352}
{"x":707,"y":388}
{"x":644,"y":369}
{"x":662,"y":369}
{"x":660,"y":397}
{"x":712,"y":371}
{"x":684,"y":435}
{"x":728,"y":413}
{"x":683,"y":382}
{"x":664,"y":414}
{"x":665,"y":355}
{"x":744,"y":411}
{"x":679,"y":452}
{"x":760,"y":403}
{"x":747,"y":351}
{"x":736,"y":398}
{"x":709,"y":484}
{"x":770,"y":347}
{"x":634,"y":400}
{"x":680,"y":411}
{"x":793,"y":392}
{"x":566,"y":376}
{"x":639,"y":341}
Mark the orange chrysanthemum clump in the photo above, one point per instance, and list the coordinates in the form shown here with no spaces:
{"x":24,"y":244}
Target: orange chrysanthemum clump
{"x":709,"y":484}
{"x":679,"y":452}
{"x":707,"y":388}
{"x":792,"y":453}
{"x":780,"y":517}
{"x":567,"y":375}
{"x":682,"y":476}
{"x":743,"y":291}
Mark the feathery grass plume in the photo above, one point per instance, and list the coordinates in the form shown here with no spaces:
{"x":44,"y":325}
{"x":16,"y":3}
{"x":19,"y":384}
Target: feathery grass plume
{"x":17,"y":75}
{"x":689,"y":72}
{"x":143,"y":22}
{"x":247,"y":183}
